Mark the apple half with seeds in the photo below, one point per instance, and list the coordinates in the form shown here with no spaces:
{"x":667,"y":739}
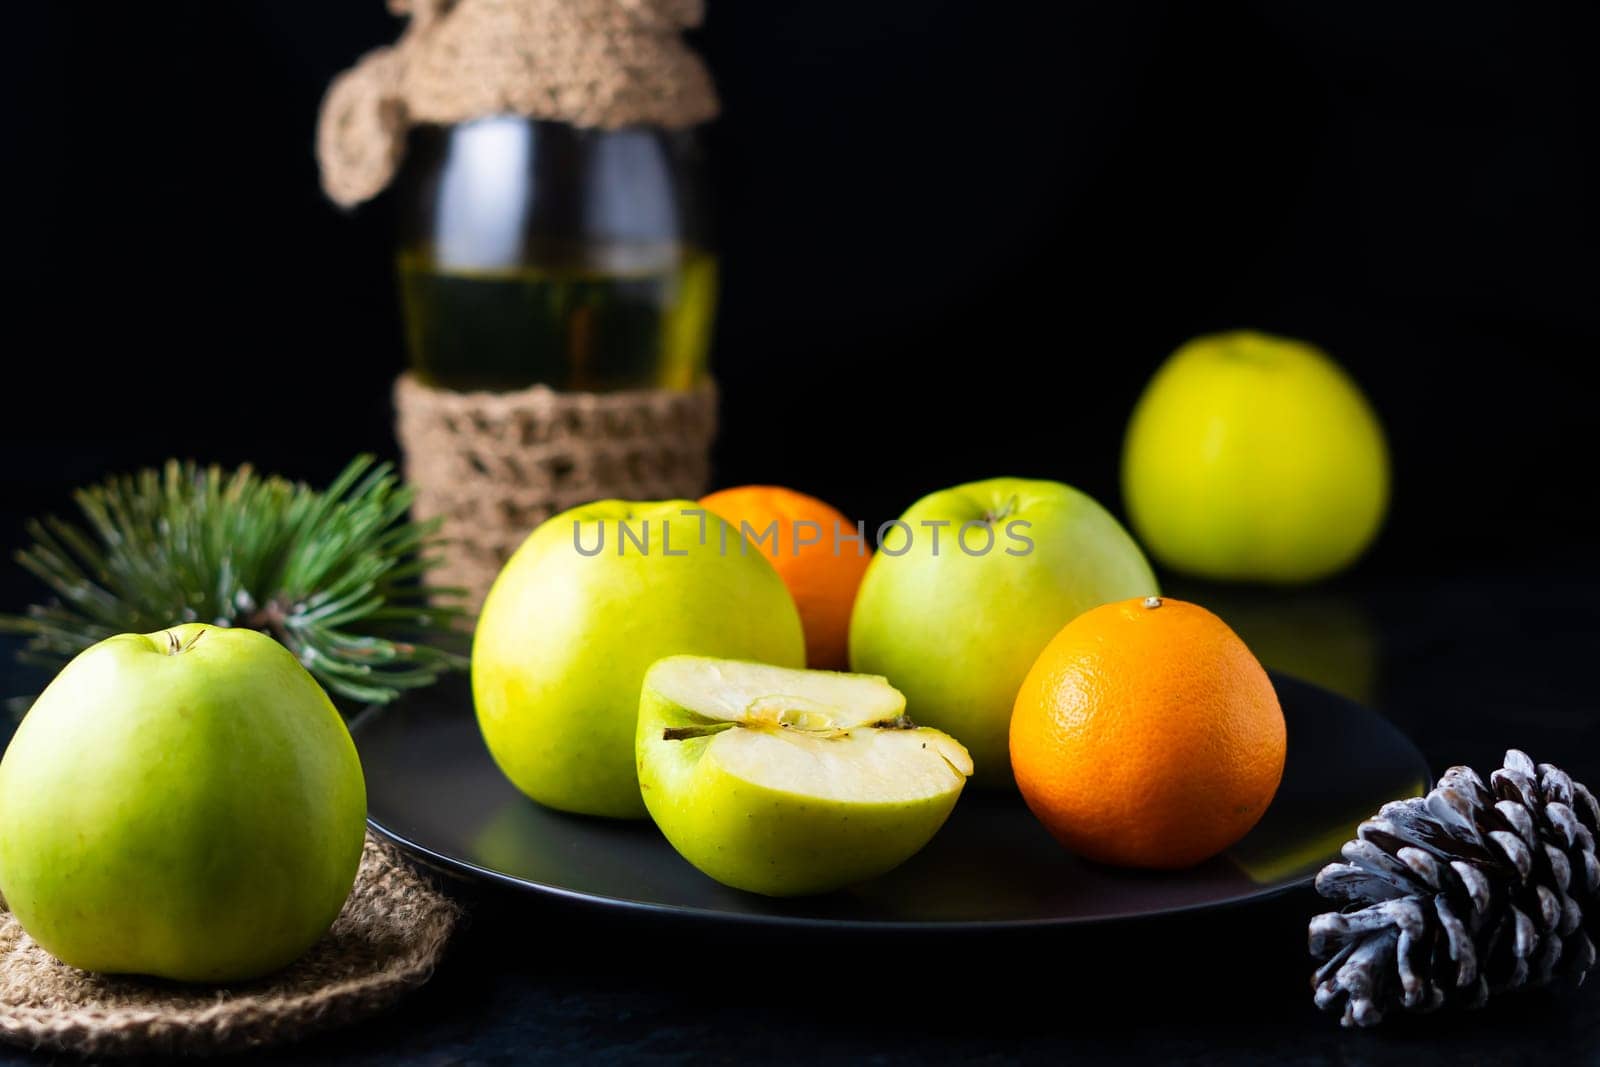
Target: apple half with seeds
{"x":788,"y":782}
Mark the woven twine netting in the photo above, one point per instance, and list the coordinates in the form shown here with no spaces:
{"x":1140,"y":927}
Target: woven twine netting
{"x":593,"y":63}
{"x":391,"y":934}
{"x":495,"y":465}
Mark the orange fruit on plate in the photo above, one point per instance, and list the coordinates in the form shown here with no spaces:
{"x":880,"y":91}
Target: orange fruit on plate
{"x":1147,"y":735}
{"x":821,"y":567}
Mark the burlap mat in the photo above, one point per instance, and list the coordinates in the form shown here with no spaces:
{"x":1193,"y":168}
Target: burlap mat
{"x":594,"y":63}
{"x":392,"y":932}
{"x":495,"y":465}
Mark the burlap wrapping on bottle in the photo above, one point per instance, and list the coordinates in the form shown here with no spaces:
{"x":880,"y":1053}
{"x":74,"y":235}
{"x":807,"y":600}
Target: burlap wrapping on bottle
{"x":495,"y":465}
{"x":388,"y":939}
{"x":592,"y":63}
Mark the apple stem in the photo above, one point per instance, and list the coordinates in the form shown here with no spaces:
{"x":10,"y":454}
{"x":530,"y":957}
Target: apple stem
{"x":173,"y":647}
{"x":1005,"y":510}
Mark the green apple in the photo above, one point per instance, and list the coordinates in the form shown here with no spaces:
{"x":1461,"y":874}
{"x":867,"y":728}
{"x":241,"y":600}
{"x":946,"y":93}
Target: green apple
{"x":185,"y":804}
{"x":591,"y":599}
{"x":969,"y":588}
{"x":789,"y":782}
{"x":1254,"y":458}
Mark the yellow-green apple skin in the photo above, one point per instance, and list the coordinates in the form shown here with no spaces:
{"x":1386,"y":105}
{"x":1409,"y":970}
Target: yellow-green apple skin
{"x":1254,"y":458}
{"x":788,"y":782}
{"x":957,"y":632}
{"x":185,"y":804}
{"x":567,"y":633}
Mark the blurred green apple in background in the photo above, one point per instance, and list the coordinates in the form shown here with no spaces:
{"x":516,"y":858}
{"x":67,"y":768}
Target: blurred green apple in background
{"x":591,"y":599}
{"x":185,"y":804}
{"x":788,"y":782}
{"x":957,"y":605}
{"x":1254,"y":457}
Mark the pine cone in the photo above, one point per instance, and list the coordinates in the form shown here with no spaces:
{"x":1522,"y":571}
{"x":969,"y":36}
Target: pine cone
{"x":1468,"y":891}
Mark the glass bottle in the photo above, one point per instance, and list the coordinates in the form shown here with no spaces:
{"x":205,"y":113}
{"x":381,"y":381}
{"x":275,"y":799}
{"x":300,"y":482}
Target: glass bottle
{"x":535,"y":252}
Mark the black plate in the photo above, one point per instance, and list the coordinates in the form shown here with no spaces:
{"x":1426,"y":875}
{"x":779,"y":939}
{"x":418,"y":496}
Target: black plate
{"x":433,"y":790}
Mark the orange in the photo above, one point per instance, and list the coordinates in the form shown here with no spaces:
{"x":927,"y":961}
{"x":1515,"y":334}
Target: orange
{"x":1147,"y":735}
{"x":820,"y":561}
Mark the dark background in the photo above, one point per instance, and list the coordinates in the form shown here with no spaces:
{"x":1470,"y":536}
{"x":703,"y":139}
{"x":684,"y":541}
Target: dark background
{"x":957,"y":239}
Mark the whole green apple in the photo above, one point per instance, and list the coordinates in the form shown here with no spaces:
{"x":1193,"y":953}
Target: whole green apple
{"x":185,"y":804}
{"x":970,"y":586}
{"x":788,"y":782}
{"x":1256,"y":458}
{"x":591,"y":599}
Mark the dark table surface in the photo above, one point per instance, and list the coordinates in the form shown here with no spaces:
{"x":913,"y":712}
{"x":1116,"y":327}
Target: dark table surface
{"x":1467,"y":665}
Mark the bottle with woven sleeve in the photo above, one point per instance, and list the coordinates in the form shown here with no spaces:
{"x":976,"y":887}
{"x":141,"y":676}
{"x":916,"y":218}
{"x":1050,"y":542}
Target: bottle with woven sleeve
{"x":556,"y":281}
{"x":545,"y":162}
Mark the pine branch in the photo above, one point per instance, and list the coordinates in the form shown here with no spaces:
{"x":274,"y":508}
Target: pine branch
{"x":334,"y":575}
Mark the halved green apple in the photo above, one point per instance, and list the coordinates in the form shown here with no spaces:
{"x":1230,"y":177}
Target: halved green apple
{"x":788,"y":782}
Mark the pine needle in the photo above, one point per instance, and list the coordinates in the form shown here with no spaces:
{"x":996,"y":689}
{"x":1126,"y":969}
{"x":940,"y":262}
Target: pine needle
{"x":335,"y":576}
